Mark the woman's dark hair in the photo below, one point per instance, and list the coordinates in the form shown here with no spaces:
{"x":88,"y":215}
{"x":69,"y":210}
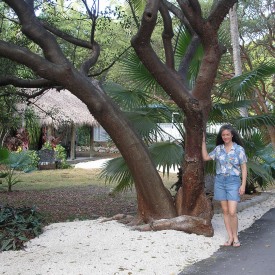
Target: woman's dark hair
{"x":236,"y":137}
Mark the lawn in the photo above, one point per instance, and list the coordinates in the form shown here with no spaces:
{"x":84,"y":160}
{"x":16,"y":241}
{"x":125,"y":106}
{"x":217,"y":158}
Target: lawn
{"x":69,"y":194}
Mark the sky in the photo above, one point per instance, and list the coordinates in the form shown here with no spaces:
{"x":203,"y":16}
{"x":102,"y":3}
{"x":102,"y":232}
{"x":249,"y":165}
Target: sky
{"x":103,"y":4}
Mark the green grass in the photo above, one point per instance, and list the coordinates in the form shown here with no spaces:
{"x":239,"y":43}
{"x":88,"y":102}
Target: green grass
{"x":60,"y":178}
{"x":48,"y":179}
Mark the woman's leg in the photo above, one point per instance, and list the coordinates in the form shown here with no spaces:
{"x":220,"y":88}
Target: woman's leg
{"x":227,"y":223}
{"x":229,"y":209}
{"x":232,"y":206}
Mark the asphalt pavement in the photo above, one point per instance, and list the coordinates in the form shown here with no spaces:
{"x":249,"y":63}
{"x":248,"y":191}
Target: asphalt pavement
{"x":256,"y":256}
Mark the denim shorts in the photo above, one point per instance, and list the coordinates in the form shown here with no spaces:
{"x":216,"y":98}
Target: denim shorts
{"x":226,"y":188}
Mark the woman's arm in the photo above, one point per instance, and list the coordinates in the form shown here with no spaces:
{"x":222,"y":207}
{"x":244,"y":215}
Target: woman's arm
{"x":244,"y":176}
{"x":205,"y":155}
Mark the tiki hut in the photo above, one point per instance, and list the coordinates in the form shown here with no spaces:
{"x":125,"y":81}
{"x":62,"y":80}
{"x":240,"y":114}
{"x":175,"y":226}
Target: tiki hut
{"x":58,"y":108}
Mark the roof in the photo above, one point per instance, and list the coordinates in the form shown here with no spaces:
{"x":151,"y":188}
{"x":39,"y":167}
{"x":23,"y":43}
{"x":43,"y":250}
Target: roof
{"x":59,"y":107}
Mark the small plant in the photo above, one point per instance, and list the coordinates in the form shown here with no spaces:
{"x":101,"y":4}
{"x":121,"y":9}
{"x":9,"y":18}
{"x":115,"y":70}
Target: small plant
{"x":47,"y":145}
{"x":13,"y":165}
{"x":34,"y":158}
{"x":18,"y":225}
{"x":61,"y":155}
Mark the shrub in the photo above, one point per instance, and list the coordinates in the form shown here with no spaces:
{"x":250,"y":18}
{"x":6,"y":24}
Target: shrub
{"x":17,"y":226}
{"x":61,"y":155}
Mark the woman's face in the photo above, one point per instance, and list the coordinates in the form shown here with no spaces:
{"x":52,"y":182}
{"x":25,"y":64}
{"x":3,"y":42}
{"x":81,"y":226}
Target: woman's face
{"x":226,"y":136}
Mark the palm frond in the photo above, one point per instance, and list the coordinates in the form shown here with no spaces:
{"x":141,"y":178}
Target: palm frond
{"x":254,"y":123}
{"x":137,"y":74}
{"x":146,"y":121}
{"x":261,"y":174}
{"x":117,"y":171}
{"x":253,"y":143}
{"x":183,"y":39}
{"x":20,"y":160}
{"x":4,"y":154}
{"x":166,"y":155}
{"x":224,"y":36}
{"x":221,"y":112}
{"x":143,"y":122}
{"x":138,"y":5}
{"x":126,"y":98}
{"x":239,"y":87}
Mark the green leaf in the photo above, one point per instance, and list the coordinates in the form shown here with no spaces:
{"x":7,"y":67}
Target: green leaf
{"x":166,"y":155}
{"x":4,"y":154}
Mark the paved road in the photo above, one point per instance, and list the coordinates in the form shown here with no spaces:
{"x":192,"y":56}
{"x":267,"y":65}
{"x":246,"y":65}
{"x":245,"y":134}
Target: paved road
{"x":256,"y":256}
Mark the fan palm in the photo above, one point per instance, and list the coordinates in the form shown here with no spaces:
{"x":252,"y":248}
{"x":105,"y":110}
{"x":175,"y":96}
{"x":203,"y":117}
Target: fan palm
{"x":241,"y":87}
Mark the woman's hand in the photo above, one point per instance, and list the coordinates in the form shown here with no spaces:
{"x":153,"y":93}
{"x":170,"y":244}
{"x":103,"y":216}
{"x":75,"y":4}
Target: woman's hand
{"x":244,"y":176}
{"x":242,"y":190}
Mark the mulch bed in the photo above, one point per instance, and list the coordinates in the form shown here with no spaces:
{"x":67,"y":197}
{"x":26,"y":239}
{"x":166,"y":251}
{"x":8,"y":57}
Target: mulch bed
{"x":66,"y":204}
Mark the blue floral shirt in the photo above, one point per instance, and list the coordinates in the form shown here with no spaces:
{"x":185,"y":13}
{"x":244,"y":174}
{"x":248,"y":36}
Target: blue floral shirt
{"x":229,"y":163}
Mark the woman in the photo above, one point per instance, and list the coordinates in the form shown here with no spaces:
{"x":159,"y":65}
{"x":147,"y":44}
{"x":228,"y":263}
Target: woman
{"x":230,"y":180}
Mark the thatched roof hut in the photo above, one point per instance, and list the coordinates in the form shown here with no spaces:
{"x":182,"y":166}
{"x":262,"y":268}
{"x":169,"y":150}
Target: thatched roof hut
{"x":59,"y":107}
{"x":55,"y":108}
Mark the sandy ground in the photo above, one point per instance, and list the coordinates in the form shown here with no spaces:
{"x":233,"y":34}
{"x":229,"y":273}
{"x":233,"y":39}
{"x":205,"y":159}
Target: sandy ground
{"x":95,"y":247}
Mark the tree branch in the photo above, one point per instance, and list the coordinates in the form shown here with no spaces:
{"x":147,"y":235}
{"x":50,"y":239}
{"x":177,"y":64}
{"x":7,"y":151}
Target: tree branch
{"x":167,"y":36}
{"x":219,"y":11}
{"x":193,"y":14}
{"x":141,"y":43}
{"x":25,"y":95}
{"x":178,"y":13}
{"x":67,"y":37}
{"x":25,"y":57}
{"x":25,"y":83}
{"x":92,"y":60}
{"x":111,"y":65}
{"x":34,"y":30}
{"x":93,"y":14}
{"x":195,"y":6}
{"x":133,"y":13}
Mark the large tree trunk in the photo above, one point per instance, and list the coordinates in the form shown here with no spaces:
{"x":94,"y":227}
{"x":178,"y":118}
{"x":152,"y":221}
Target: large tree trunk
{"x":191,"y":198}
{"x":154,"y":200}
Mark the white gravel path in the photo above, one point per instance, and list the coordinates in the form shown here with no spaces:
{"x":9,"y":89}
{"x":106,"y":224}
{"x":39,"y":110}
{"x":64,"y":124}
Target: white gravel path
{"x":94,"y":248}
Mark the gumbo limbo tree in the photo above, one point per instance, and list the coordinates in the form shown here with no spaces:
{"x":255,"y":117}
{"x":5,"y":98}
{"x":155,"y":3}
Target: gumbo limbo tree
{"x":191,"y":211}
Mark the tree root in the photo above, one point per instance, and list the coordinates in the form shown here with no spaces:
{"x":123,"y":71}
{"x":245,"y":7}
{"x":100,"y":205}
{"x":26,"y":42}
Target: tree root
{"x":125,"y":219}
{"x":187,"y":224}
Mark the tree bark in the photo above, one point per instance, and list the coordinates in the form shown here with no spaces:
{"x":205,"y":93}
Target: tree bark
{"x":188,"y":224}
